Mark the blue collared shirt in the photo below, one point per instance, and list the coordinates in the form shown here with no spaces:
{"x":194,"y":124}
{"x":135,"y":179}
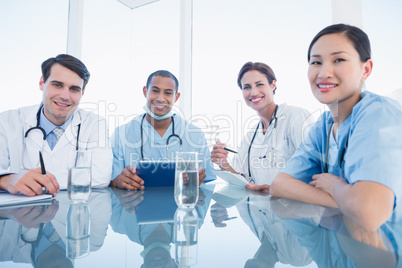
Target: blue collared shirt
{"x":49,"y":126}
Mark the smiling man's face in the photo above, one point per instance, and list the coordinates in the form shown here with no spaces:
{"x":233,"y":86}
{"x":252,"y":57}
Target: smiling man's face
{"x":62,"y":92}
{"x":161,"y":95}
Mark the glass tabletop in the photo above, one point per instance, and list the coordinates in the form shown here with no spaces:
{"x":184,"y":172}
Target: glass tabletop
{"x":229,"y":227}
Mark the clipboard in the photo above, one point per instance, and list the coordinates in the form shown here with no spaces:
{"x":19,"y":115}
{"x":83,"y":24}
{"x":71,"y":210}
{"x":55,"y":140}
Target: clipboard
{"x":157,"y":173}
{"x":231,"y":178}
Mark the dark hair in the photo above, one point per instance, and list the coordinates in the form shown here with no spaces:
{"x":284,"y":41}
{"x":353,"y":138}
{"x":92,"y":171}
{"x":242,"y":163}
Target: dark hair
{"x":257,"y":66}
{"x":69,"y":62}
{"x":355,"y":35}
{"x":163,"y":73}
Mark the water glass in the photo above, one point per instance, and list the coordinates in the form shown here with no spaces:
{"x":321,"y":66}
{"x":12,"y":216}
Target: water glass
{"x":186,"y":237}
{"x":78,"y":231}
{"x":186,"y":179}
{"x":79,"y":179}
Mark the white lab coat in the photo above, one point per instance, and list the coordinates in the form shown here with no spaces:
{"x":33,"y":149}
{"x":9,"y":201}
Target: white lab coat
{"x":93,"y":136}
{"x":270,"y":151}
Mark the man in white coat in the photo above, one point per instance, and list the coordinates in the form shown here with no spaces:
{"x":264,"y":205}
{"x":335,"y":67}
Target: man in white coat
{"x":55,"y":127}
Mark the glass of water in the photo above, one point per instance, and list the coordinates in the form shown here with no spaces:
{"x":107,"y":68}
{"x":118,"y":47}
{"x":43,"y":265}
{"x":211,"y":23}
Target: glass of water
{"x":79,"y":178}
{"x":186,"y":179}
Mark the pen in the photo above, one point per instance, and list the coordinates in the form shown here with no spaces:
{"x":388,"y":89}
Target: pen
{"x":42,"y":166}
{"x":229,"y":150}
{"x":230,"y":218}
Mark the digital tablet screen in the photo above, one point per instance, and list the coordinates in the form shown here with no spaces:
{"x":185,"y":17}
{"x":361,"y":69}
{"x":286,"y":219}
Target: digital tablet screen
{"x":156,"y":173}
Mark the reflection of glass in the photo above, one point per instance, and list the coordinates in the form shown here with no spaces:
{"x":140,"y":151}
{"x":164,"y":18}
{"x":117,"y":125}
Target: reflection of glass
{"x":78,"y":230}
{"x":186,"y":236}
{"x":79,"y":179}
{"x":186,"y":179}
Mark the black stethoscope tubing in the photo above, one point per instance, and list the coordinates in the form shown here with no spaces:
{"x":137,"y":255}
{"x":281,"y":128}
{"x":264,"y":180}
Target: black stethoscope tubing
{"x":44,"y":132}
{"x":34,"y":244}
{"x":255,"y":133}
{"x":167,"y":141}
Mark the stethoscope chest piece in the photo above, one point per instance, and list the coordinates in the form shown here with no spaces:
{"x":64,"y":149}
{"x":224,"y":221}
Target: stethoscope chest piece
{"x":168,"y":141}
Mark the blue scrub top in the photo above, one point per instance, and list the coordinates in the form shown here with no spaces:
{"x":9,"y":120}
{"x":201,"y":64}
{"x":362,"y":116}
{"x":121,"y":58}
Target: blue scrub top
{"x":374,"y":151}
{"x":126,"y":144}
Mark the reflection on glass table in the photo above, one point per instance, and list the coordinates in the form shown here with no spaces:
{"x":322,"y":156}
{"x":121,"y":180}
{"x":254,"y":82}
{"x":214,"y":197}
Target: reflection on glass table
{"x":78,"y":231}
{"x":35,"y":236}
{"x":152,"y":219}
{"x":278,"y":244}
{"x":333,"y":240}
{"x":186,"y":236}
{"x":144,"y":229}
{"x":28,"y":236}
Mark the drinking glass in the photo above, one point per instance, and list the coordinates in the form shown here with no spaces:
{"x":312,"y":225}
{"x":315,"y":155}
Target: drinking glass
{"x":186,"y":179}
{"x":79,"y":179}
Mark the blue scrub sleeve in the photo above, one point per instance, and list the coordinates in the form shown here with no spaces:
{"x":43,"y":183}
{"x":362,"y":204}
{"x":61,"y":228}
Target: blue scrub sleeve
{"x":306,"y":161}
{"x":374,"y":151}
{"x":118,"y":154}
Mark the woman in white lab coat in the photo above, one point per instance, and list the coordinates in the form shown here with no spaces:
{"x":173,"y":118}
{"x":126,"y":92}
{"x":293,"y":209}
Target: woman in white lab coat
{"x":268,"y":145}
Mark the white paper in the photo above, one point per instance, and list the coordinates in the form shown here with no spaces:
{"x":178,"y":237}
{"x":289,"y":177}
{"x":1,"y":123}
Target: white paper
{"x":229,"y":196}
{"x":231,"y":178}
{"x":7,"y":199}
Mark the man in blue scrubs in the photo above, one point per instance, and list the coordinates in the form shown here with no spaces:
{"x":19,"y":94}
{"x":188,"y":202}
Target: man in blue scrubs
{"x":156,"y":135}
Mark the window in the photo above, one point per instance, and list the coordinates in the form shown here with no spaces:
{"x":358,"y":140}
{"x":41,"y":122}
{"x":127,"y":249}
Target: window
{"x":229,"y":33}
{"x":31,"y":32}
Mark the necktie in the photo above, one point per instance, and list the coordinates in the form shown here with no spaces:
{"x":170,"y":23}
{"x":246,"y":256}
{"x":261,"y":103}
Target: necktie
{"x":58,"y":131}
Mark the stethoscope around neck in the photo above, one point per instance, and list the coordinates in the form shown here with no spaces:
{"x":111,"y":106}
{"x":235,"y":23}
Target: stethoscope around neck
{"x":43,"y":133}
{"x":167,"y":141}
{"x":274,"y":118}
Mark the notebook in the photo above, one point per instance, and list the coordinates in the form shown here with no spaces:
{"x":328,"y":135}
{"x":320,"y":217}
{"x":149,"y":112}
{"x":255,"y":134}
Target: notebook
{"x":8,"y":200}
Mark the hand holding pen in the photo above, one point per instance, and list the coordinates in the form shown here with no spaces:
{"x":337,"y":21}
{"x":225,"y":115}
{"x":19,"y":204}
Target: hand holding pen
{"x":29,"y":182}
{"x":219,"y":155}
{"x":49,"y":186}
{"x":229,"y":150}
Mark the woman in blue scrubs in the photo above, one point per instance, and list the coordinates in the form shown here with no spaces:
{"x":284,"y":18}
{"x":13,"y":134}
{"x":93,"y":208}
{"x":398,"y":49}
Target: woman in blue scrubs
{"x":352,"y":157}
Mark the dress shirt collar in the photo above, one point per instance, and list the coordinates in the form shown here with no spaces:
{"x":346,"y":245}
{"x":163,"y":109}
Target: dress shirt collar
{"x":49,"y":126}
